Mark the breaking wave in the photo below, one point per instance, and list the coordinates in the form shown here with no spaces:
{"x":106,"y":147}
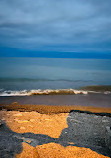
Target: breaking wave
{"x":42,"y":92}
{"x":47,"y":92}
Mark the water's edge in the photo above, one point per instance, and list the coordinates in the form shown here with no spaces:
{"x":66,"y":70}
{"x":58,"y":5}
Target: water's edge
{"x":95,"y":100}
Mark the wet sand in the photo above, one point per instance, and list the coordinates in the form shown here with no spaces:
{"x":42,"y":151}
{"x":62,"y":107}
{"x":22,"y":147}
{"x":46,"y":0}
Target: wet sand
{"x":48,"y":131}
{"x":48,"y":109}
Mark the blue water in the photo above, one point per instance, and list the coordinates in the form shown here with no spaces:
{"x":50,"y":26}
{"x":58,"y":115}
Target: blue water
{"x":53,"y":73}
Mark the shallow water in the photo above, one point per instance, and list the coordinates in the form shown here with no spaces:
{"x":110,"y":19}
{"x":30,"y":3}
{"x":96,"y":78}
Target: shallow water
{"x":100,"y":100}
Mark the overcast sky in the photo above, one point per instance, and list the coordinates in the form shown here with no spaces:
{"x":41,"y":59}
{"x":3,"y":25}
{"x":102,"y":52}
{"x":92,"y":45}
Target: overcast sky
{"x":55,"y":25}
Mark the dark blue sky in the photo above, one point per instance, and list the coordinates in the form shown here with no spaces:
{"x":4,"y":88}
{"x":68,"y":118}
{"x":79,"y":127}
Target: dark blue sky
{"x":55,"y":28}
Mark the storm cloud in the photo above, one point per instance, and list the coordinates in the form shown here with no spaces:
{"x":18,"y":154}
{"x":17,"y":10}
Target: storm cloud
{"x":56,"y":25}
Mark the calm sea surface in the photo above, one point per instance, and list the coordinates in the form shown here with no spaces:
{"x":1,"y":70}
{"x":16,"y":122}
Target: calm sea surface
{"x":46,"y":73}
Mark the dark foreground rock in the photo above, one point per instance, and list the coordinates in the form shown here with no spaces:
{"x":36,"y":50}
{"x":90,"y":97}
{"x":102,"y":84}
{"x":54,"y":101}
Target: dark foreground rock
{"x":85,"y":129}
{"x":89,"y":130}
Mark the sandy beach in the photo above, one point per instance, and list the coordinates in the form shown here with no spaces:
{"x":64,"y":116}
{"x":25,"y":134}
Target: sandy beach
{"x":55,"y":79}
{"x":54,"y":133}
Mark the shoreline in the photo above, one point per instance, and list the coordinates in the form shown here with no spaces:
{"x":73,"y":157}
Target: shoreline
{"x":48,"y":109}
{"x":92,"y":100}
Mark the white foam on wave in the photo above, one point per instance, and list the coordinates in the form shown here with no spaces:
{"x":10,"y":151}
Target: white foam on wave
{"x":42,"y":92}
{"x":56,"y":91}
{"x":14,"y":93}
{"x":107,"y":92}
{"x":47,"y":92}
